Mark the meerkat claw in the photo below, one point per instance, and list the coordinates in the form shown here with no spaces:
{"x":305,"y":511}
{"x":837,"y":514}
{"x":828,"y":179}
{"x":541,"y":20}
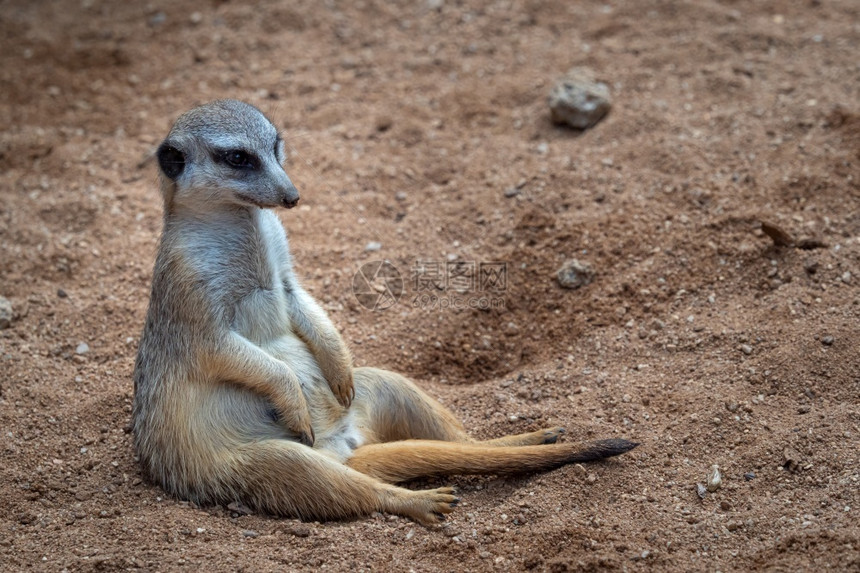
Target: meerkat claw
{"x":307,"y":439}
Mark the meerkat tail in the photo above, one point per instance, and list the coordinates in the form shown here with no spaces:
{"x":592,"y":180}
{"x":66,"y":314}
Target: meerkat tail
{"x":409,"y":459}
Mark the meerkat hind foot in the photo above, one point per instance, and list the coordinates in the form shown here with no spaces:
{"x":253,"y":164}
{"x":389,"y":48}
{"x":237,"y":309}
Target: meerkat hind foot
{"x":429,"y":506}
{"x":538,"y":438}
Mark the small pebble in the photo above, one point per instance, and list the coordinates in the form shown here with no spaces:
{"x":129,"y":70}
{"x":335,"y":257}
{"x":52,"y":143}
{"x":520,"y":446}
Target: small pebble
{"x":746,"y":349}
{"x":383,"y":123}
{"x":82,"y":348}
{"x":239,"y":508}
{"x":779,"y":236}
{"x":5,"y":313}
{"x":299,"y":530}
{"x":715,"y":478}
{"x":372,"y":246}
{"x":250,"y":533}
{"x":157,"y":19}
{"x":61,"y":293}
{"x":574,"y":274}
{"x":827,"y":340}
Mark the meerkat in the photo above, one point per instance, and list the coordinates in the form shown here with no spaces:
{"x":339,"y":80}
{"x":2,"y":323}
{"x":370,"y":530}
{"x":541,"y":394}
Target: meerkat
{"x":243,"y":388}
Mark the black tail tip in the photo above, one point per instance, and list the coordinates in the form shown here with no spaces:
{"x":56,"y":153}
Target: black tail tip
{"x":613,"y":447}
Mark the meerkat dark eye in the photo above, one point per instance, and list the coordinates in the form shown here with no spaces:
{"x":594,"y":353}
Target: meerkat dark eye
{"x":238,"y":159}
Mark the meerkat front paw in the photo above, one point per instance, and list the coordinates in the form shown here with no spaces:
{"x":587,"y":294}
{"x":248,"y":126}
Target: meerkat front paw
{"x":341,"y":384}
{"x":298,"y":421}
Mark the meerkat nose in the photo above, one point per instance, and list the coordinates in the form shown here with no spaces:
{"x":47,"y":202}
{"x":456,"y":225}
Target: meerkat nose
{"x":290,"y":195}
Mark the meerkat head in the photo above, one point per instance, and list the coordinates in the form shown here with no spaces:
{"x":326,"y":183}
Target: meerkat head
{"x":225,"y":152}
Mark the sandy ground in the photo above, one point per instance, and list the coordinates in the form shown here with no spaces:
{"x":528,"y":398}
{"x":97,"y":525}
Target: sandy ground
{"x":406,"y":123}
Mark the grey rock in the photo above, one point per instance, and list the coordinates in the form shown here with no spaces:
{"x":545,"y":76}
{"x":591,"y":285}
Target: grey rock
{"x":574,"y":274}
{"x":5,"y":313}
{"x":82,"y":348}
{"x":299,"y":530}
{"x":578,"y":100}
{"x":372,"y":246}
{"x":239,"y":508}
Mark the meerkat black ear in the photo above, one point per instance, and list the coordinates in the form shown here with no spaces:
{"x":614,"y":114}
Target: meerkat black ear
{"x":171,"y":160}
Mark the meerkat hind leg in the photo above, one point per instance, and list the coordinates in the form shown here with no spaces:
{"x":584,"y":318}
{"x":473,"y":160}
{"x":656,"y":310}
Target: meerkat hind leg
{"x":541,"y":437}
{"x":396,"y":409}
{"x":284,"y":478}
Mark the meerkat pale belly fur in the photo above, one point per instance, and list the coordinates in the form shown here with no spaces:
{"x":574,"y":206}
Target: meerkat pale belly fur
{"x":245,"y":391}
